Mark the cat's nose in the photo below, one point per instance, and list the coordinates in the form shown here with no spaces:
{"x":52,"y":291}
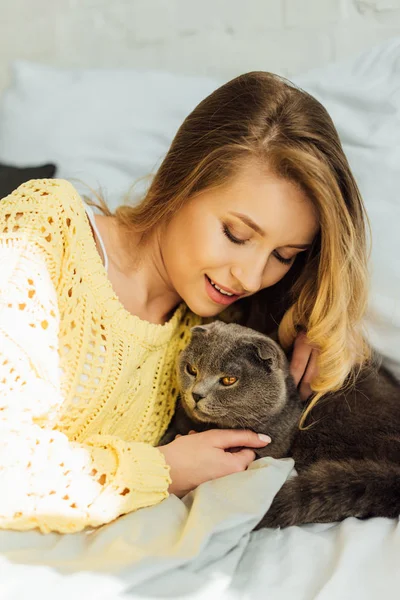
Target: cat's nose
{"x":197,"y":397}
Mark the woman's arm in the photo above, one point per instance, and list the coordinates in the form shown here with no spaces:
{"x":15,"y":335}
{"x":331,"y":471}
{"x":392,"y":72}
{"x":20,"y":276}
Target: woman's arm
{"x":46,"y":480}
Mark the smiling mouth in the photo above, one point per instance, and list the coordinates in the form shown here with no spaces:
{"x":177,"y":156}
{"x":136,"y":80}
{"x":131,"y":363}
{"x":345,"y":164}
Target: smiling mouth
{"x":222,"y":290}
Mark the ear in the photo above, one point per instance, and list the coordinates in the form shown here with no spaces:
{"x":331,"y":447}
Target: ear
{"x":198,"y":329}
{"x":266,"y":350}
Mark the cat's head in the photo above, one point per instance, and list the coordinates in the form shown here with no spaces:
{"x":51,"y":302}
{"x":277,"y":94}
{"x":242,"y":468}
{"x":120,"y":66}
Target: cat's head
{"x":232,"y":376}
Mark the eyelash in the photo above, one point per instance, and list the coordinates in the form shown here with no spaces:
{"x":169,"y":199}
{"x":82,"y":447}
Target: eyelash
{"x":231,"y":237}
{"x":235,"y":240}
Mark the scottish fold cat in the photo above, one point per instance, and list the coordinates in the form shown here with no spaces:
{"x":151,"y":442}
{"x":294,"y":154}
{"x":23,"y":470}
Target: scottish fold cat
{"x":348,"y":460}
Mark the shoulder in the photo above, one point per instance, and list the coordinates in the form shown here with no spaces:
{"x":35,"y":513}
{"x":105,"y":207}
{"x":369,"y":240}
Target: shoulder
{"x":41,"y":207}
{"x":46,"y":212}
{"x":44,"y":195}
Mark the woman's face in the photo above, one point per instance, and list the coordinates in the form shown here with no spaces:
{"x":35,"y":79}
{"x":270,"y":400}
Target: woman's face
{"x":241,"y":237}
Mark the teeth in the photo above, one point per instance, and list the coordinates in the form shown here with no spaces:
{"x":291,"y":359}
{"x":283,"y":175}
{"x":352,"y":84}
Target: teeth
{"x":219,"y":289}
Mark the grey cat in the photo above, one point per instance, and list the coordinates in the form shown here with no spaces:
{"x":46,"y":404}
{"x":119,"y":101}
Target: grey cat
{"x":348,"y":460}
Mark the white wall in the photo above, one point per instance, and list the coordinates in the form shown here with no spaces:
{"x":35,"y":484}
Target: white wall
{"x":220,"y":37}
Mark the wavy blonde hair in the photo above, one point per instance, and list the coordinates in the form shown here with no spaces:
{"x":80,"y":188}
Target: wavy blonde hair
{"x":263,"y":117}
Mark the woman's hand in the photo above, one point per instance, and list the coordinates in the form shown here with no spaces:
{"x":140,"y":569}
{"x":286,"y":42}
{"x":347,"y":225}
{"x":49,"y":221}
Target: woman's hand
{"x":199,"y":457}
{"x":303,"y":366}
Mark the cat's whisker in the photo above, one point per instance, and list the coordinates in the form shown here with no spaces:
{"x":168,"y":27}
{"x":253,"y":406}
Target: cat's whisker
{"x":242,"y":421}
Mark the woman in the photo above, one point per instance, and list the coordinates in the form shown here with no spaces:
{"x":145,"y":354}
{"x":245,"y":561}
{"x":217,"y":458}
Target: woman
{"x":254,"y":194}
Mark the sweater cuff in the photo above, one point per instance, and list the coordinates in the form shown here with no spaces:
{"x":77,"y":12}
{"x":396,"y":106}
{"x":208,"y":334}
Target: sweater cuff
{"x":141,"y":478}
{"x":144,"y":467}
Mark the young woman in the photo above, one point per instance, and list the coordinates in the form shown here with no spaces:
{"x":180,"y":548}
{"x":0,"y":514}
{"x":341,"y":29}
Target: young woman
{"x":254,"y":194}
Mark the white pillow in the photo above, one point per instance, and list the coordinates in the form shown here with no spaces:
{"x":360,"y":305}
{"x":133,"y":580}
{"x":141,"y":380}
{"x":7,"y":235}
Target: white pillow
{"x":110,"y":127}
{"x":107,"y":127}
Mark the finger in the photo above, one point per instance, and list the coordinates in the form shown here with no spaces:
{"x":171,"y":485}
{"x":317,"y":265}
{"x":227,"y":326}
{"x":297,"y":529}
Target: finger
{"x":178,"y":435}
{"x":312,"y":367}
{"x":192,"y":431}
{"x":305,"y":391}
{"x":309,"y":376}
{"x":243,"y":458}
{"x":229,"y":438}
{"x":301,"y":355}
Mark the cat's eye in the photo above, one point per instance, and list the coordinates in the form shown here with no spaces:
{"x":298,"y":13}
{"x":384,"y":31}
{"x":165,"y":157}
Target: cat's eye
{"x":191,"y":370}
{"x":228,"y":380}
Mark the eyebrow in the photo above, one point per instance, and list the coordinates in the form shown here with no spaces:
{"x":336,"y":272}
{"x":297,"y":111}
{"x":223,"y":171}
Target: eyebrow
{"x":246,"y":219}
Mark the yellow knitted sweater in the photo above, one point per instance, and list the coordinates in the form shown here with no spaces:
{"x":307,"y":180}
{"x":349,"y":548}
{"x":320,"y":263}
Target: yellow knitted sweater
{"x":86,"y":388}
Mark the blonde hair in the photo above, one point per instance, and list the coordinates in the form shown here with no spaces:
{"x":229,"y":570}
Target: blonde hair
{"x":264,"y":117}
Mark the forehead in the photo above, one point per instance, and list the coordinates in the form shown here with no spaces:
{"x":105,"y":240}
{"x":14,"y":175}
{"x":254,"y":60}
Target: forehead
{"x":219,"y":352}
{"x":278,"y":206}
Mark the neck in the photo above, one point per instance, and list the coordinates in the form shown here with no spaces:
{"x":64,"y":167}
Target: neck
{"x":142,"y":262}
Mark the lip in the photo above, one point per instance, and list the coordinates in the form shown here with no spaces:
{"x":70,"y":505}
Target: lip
{"x":226,"y":289}
{"x":217,"y":297}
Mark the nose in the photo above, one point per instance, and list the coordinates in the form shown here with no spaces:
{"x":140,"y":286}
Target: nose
{"x":197,"y":397}
{"x":249,"y":275}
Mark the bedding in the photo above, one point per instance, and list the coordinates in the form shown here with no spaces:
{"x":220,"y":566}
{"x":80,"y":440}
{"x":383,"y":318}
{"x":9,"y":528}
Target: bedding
{"x":202,"y":547}
{"x":104,"y":128}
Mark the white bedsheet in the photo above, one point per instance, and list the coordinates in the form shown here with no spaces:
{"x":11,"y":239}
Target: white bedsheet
{"x":203,"y":547}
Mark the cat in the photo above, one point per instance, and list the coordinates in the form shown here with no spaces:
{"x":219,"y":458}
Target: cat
{"x":348,"y":460}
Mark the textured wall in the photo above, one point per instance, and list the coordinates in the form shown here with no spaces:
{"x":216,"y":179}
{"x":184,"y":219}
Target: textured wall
{"x":222,"y":37}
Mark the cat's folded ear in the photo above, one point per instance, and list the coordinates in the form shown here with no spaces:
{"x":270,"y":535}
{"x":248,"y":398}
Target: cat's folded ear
{"x":198,"y":329}
{"x":267,"y":350}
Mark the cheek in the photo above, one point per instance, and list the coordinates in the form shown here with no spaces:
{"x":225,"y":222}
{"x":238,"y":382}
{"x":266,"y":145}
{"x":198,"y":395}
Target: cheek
{"x":274,"y":272}
{"x":218,"y":398}
{"x":183,"y":377}
{"x":180,"y":256}
{"x":195,"y":253}
{"x":227,"y":397}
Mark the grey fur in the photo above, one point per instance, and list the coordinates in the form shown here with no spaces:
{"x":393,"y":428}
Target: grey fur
{"x":349,"y":459}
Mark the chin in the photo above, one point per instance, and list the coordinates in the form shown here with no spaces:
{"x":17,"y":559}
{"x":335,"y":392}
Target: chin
{"x":199,"y":303}
{"x":205,"y":418}
{"x":204,"y":314}
{"x":203,"y":309}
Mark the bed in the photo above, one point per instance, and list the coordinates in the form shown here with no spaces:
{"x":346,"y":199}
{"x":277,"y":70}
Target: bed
{"x":106,"y":128}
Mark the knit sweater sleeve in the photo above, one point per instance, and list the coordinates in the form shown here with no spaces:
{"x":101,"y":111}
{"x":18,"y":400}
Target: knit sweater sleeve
{"x":48,"y":481}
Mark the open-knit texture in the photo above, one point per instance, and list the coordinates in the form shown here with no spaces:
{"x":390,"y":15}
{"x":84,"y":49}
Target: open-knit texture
{"x":86,"y":388}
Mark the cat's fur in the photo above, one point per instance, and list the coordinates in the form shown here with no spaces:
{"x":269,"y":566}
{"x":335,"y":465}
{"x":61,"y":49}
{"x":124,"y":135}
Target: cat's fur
{"x":348,"y":460}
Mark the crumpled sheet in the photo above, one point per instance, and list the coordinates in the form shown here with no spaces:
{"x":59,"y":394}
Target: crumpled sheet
{"x":203,"y":547}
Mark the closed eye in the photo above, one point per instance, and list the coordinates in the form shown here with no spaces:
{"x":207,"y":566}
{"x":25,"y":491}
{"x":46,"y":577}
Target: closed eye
{"x":235,"y":240}
{"x":231,"y":237}
{"x":285,"y":261}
